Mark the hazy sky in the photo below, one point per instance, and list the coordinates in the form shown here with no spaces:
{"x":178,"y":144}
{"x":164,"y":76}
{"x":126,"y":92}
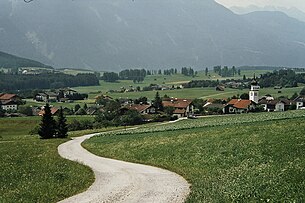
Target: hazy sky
{"x":285,"y":3}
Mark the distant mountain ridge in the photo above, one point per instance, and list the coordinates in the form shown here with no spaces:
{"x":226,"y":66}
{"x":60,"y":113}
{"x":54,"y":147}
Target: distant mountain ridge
{"x":117,"y":34}
{"x":292,"y":12}
{"x":11,"y":61}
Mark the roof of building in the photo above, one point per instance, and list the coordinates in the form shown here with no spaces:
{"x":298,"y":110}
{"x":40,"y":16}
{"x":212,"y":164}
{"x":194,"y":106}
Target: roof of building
{"x":51,"y":94}
{"x":177,"y":103}
{"x":240,"y":103}
{"x":300,"y":99}
{"x":8,"y":102}
{"x":179,"y":111}
{"x":104,"y":97}
{"x":233,"y":101}
{"x":7,"y":96}
{"x":138,"y":107}
{"x":276,"y":101}
{"x":41,"y":94}
{"x":254,"y":81}
{"x":53,"y":111}
{"x":214,"y":105}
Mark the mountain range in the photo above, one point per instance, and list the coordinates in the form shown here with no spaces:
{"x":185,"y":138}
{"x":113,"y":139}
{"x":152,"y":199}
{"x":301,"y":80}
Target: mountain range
{"x":292,"y":12}
{"x":119,"y":34}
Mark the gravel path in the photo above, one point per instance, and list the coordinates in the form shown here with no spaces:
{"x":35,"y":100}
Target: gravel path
{"x":118,"y":181}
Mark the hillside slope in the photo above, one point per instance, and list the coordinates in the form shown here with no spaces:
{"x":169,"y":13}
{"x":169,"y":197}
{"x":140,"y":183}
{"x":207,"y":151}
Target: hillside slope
{"x":11,"y":61}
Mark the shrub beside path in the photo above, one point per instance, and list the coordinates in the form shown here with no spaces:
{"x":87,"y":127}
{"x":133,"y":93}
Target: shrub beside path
{"x":119,"y":181}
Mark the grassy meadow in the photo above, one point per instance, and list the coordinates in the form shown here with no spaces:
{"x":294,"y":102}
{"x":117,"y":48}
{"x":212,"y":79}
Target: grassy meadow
{"x":192,"y":93}
{"x":251,"y":159}
{"x":204,"y":93}
{"x":32,"y":170}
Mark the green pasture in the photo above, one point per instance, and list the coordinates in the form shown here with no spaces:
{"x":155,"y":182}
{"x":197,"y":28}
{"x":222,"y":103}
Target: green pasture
{"x":32,"y":170}
{"x":250,"y":159}
{"x":204,"y":93}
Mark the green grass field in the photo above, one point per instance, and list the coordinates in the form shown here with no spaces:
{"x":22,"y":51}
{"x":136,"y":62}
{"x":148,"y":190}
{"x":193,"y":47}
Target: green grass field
{"x":253,"y":158}
{"x":191,"y":93}
{"x":32,"y":170}
{"x":204,"y":93}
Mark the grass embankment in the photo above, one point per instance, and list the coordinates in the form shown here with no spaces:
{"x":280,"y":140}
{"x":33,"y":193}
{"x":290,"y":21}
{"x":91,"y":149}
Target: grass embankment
{"x":32,"y":170}
{"x":225,"y":162}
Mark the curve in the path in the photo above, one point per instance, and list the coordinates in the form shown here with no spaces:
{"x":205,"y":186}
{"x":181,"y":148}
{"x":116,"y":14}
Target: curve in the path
{"x":118,"y":181}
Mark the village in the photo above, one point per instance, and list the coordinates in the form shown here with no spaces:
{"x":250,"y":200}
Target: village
{"x":173,"y":107}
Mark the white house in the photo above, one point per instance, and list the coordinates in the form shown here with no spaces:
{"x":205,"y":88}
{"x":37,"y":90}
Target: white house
{"x":9,"y":105}
{"x":300,"y":101}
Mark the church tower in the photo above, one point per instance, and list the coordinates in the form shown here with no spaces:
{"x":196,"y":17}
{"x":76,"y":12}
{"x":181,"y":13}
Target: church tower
{"x":254,"y":92}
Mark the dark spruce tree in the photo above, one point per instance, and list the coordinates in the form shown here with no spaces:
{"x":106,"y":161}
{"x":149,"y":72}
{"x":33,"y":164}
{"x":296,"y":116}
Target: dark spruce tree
{"x":62,"y":127}
{"x":47,"y":128}
{"x":158,"y":102}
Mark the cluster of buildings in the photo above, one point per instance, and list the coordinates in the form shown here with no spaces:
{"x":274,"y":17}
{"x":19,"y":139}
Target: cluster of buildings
{"x":181,"y":107}
{"x":268,"y":103}
{"x":61,"y":95}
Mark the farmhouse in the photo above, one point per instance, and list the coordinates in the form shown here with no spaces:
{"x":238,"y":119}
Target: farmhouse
{"x":272,"y":105}
{"x":239,"y":106}
{"x":300,"y":102}
{"x":46,"y":97}
{"x":9,"y":101}
{"x":61,"y":95}
{"x":9,"y":97}
{"x":182,"y":107}
{"x":276,"y":104}
{"x":9,"y":105}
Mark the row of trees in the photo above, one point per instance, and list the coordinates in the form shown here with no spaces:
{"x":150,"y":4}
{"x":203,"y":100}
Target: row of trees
{"x":226,"y":71}
{"x":9,"y":82}
{"x":188,"y":71}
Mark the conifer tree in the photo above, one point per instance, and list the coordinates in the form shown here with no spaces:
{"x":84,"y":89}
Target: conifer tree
{"x":62,"y":127}
{"x":47,"y":127}
{"x":158,"y":102}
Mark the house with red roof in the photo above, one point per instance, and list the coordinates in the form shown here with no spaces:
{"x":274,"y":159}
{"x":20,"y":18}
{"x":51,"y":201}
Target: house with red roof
{"x":9,"y":102}
{"x":239,"y":106}
{"x":182,"y":107}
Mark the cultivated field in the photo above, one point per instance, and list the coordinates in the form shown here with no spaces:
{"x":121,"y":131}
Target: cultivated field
{"x":240,"y":158}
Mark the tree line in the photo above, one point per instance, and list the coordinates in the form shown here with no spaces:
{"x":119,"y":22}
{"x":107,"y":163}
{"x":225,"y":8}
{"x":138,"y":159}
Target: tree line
{"x":226,"y":71}
{"x":11,"y":82}
{"x":283,"y":78}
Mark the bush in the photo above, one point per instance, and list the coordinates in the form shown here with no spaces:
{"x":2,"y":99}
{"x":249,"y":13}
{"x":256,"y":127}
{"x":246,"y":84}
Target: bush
{"x":75,"y":125}
{"x":26,"y":110}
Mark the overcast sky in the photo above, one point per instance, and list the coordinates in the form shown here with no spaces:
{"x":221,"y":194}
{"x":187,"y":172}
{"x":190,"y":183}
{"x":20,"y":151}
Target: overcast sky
{"x":286,"y":3}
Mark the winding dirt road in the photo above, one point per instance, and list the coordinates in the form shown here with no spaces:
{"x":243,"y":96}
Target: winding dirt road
{"x":118,"y":181}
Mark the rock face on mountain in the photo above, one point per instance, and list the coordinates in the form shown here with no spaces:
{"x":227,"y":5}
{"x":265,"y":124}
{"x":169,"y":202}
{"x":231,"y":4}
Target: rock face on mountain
{"x":117,"y":34}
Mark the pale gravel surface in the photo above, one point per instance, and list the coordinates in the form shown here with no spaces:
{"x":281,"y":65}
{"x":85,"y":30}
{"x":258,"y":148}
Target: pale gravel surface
{"x":118,"y":181}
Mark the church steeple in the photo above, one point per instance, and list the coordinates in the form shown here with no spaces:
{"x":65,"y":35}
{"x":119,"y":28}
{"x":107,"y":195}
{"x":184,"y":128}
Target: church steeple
{"x":254,"y":92}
